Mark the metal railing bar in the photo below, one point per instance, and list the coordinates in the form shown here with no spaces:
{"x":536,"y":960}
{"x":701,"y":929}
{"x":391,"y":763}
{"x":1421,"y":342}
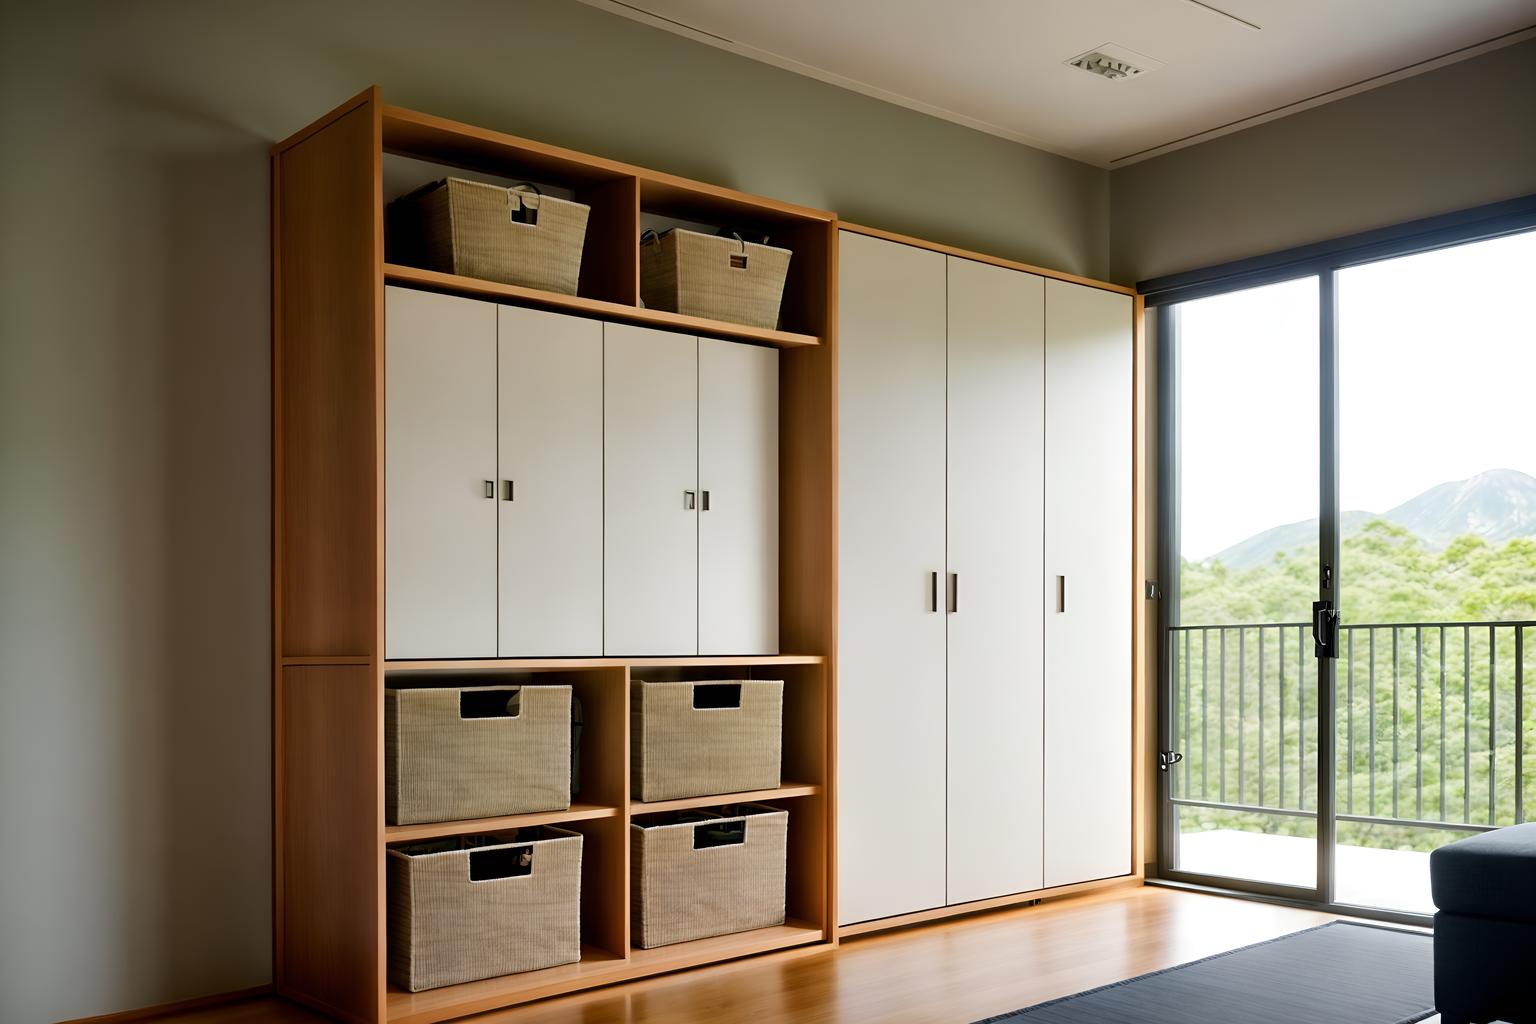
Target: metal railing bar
{"x":1493,"y":726}
{"x":1466,"y":724}
{"x":1396,"y":721}
{"x":1301,"y":718}
{"x":1519,"y":724}
{"x":1188,"y":714}
{"x":1280,"y":721}
{"x":1222,"y":710}
{"x":1444,"y":826}
{"x":1418,"y":722}
{"x":1205,"y":714}
{"x":1242,"y":713}
{"x":1372,"y":655}
{"x":1349,"y":725}
{"x":1262,"y":773}
{"x":1449,"y":623}
{"x":1216,"y":805}
{"x":1241,"y":625}
{"x":1440,"y":751}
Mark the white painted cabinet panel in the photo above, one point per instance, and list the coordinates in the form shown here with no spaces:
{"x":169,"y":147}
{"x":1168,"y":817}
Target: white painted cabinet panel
{"x":550,"y":484}
{"x":650,"y":471}
{"x":996,"y":445}
{"x":439,"y":460}
{"x":738,"y":498}
{"x":1088,"y":372}
{"x":891,"y":700}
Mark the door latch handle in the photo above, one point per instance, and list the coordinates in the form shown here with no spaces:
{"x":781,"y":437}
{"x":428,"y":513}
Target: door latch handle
{"x":1167,"y":759}
{"x":1325,"y":629}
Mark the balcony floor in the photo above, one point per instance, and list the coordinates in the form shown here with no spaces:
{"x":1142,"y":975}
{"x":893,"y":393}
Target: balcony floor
{"x":1363,"y":877}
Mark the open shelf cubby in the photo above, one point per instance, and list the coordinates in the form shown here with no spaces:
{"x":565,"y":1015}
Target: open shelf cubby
{"x":331,"y":183}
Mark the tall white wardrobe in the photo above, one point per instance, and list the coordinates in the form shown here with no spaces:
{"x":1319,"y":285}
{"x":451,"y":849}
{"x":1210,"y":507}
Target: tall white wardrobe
{"x":985,"y":581}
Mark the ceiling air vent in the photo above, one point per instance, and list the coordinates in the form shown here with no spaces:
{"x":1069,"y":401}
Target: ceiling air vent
{"x":1114,"y":62}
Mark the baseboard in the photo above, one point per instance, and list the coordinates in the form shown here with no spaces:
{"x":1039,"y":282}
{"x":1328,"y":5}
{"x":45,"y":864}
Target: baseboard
{"x":849,"y":931}
{"x":180,"y":1006}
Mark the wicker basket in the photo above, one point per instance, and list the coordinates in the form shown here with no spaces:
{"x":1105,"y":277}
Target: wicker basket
{"x":713,"y":276}
{"x":475,"y":752}
{"x":701,"y":873}
{"x":510,"y":235}
{"x":477,"y":907}
{"x":704,"y":738}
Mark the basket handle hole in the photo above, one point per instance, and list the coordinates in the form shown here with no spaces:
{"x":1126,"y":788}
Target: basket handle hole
{"x":719,"y":833}
{"x":738,"y":261}
{"x":490,"y":703}
{"x":717,"y":695}
{"x":501,"y":862}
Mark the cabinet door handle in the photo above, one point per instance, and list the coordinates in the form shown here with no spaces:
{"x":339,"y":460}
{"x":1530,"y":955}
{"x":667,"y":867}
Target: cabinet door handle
{"x":490,"y":489}
{"x":688,"y":502}
{"x":933,"y":592}
{"x":954,"y":592}
{"x":508,"y":493}
{"x":704,"y":499}
{"x":1061,"y":595}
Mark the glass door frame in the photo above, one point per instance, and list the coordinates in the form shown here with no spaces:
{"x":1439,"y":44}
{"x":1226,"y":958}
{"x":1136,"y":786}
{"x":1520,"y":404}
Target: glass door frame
{"x":1168,"y":476}
{"x":1322,"y":261}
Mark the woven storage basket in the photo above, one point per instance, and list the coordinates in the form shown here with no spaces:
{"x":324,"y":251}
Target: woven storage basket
{"x":682,"y":888}
{"x":704,"y":738}
{"x":497,"y":234}
{"x":482,"y":906}
{"x":443,"y":762}
{"x":713,"y":276}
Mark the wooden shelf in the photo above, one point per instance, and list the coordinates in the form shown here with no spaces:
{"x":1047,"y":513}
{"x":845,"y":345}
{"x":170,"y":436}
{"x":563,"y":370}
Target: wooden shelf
{"x":469,"y":826}
{"x":416,"y":277}
{"x":784,"y":792}
{"x":597,"y":967}
{"x":555,"y":664}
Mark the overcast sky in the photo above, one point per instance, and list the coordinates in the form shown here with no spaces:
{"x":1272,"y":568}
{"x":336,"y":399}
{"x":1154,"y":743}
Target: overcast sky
{"x":1437,"y":382}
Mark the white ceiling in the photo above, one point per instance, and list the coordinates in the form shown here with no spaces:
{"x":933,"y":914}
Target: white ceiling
{"x":998,"y":65}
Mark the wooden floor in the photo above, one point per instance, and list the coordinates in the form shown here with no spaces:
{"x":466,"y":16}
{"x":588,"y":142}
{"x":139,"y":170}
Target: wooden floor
{"x":960,"y":971}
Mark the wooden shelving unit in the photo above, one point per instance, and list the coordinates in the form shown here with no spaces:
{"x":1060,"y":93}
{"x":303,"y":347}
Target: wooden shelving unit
{"x":330,"y":835}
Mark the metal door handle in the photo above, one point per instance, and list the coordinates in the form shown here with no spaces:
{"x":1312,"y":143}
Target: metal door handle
{"x":490,"y":489}
{"x":508,"y":494}
{"x":933,"y":592}
{"x":954,"y":592}
{"x":688,"y":500}
{"x":704,"y":495}
{"x":1061,"y":595}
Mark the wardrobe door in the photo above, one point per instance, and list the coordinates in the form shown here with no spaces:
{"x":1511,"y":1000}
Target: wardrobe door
{"x":439,"y":476}
{"x":1089,"y":590}
{"x":996,"y":531}
{"x":738,"y":498}
{"x":890,"y":720}
{"x":650,"y":492}
{"x":550,"y":487}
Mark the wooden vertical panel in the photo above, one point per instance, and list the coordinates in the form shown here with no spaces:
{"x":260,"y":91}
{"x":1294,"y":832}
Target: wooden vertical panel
{"x":327,"y":253}
{"x":806,"y":868}
{"x":610,"y":264}
{"x":332,"y":828}
{"x":808,"y":493}
{"x":604,"y":696}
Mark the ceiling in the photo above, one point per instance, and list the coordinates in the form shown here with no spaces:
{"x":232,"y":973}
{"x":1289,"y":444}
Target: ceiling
{"x":999,"y":65}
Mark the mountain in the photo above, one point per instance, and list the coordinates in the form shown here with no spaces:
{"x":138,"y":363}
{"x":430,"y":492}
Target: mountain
{"x":1498,"y":505}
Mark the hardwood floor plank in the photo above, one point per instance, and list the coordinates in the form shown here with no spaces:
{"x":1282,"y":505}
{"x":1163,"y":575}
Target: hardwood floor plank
{"x":958,"y":971}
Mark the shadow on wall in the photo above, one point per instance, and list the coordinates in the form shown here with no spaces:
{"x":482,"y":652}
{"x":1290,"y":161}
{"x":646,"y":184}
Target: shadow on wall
{"x":193,"y":360}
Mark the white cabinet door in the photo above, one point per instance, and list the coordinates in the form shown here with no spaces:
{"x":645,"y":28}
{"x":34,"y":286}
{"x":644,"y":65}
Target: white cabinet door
{"x":890,"y":720}
{"x":550,"y":486}
{"x":1088,"y":583}
{"x":650,"y":492}
{"x":996,"y":532}
{"x":439,"y":471}
{"x":738,"y":498}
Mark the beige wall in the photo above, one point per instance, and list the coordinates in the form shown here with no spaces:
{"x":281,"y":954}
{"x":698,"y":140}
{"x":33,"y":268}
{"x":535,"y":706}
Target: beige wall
{"x":1449,"y":139}
{"x":134,"y":389}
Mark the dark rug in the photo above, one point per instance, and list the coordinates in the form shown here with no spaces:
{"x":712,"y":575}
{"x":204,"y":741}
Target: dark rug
{"x":1336,"y":973}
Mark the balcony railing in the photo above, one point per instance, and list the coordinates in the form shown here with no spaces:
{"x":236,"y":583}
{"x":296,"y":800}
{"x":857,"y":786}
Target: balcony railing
{"x":1430,"y":724}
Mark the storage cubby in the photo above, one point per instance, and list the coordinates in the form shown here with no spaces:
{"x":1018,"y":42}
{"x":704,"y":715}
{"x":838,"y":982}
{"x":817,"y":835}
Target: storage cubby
{"x":331,"y":183}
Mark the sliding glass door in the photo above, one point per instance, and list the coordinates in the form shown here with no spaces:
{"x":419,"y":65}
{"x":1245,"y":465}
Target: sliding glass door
{"x":1348,"y":570}
{"x":1241,"y":704}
